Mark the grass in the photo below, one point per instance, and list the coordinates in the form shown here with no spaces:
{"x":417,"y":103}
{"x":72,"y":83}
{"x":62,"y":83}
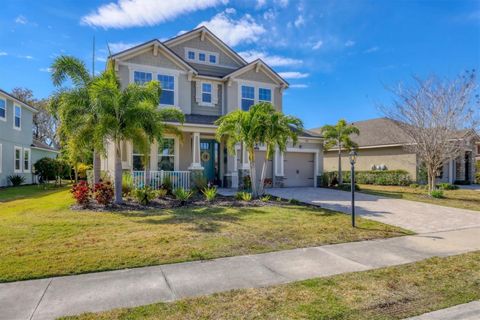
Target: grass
{"x":461,"y":198}
{"x":41,"y":236}
{"x":388,"y":293}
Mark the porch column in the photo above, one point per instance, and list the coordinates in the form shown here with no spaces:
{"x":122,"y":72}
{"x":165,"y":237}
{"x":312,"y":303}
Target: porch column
{"x":245,"y":165}
{"x":196,"y":164}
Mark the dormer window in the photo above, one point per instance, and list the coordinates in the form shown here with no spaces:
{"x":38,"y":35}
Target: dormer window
{"x":201,"y":57}
{"x":212,"y":59}
{"x":191,"y":55}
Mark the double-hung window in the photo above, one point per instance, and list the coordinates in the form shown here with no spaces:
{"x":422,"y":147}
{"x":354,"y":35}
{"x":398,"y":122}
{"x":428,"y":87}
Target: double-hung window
{"x":3,"y":109}
{"x":167,"y":83}
{"x":26,"y":160}
{"x":140,"y":77}
{"x":201,"y":56}
{"x":212,"y":59}
{"x":265,"y":95}
{"x":17,"y":159}
{"x":191,"y":55}
{"x":166,"y":155}
{"x":248,"y":97}
{"x":17,"y":117}
{"x":207,"y":93}
{"x":137,"y":159}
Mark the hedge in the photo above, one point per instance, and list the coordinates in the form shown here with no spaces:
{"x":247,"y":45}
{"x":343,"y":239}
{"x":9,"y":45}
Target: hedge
{"x":379,"y":177}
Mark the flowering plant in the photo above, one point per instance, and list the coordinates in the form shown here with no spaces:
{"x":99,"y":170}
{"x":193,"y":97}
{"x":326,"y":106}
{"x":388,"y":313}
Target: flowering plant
{"x":103,"y":192}
{"x":81,"y":193}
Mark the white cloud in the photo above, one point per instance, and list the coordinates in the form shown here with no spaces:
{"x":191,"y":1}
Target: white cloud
{"x":300,"y":86}
{"x":273,"y":61}
{"x":137,"y":13}
{"x":26,"y":57}
{"x":317,"y":45}
{"x":120,"y":46}
{"x":293,"y":75}
{"x":269,"y":15}
{"x":299,"y":22}
{"x":281,"y":3}
{"x":21,"y":20}
{"x":45,"y":69}
{"x":371,"y":50}
{"x":349,"y":43}
{"x":233,"y":31}
{"x":3,"y":53}
{"x":260,"y":4}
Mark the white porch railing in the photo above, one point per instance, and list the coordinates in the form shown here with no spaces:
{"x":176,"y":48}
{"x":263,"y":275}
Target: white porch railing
{"x":178,"y":179}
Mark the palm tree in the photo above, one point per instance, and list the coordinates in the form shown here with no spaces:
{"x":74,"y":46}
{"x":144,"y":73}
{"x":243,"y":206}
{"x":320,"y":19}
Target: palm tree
{"x":339,"y":136}
{"x":129,"y":114}
{"x":75,"y":110}
{"x":277,"y":130}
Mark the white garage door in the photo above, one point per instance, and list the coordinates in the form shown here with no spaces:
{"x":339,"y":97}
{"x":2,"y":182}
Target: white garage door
{"x":298,"y":169}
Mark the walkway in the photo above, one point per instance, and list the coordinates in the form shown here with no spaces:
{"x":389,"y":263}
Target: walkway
{"x":419,"y":217}
{"x":54,"y":297}
{"x":466,"y":311}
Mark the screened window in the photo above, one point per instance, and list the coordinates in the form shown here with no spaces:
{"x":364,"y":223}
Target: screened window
{"x":17,"y":117}
{"x":166,"y":155}
{"x":167,"y":83}
{"x":207,"y":92}
{"x":26,"y":160}
{"x":191,"y":55}
{"x":137,"y":160}
{"x":212,"y":58}
{"x":17,"y":159}
{"x":142,"y":77}
{"x":248,"y":97}
{"x":265,"y":95}
{"x":201,"y":56}
{"x":3,"y":109}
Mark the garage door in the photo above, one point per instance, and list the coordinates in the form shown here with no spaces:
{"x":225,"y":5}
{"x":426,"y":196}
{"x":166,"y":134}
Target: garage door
{"x":259,"y":158}
{"x":298,"y":169}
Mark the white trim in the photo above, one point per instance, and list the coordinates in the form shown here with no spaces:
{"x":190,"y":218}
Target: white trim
{"x":29,"y":169}
{"x":14,"y":116}
{"x":195,"y":151}
{"x":18,"y":101}
{"x":207,"y":56}
{"x":256,"y":66}
{"x":15,"y":148}
{"x":45,"y":149}
{"x":202,"y":103}
{"x":4,"y":118}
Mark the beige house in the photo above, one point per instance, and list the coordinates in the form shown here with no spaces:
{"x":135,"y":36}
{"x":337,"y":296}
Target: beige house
{"x":206,"y":79}
{"x":381,"y":145}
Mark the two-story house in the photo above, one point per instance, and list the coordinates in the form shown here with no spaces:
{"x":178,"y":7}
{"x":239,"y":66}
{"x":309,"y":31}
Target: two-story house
{"x":206,"y":79}
{"x":18,"y":150}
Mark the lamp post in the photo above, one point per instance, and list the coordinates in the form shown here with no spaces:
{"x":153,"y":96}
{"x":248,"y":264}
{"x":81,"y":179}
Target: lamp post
{"x":353,"y":158}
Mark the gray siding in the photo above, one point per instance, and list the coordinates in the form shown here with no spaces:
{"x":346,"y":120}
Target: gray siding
{"x":206,"y":110}
{"x":211,"y":70}
{"x":148,"y":59}
{"x":259,"y":76}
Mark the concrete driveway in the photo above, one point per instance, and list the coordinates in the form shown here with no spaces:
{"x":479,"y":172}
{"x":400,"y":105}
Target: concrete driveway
{"x":415,"y":216}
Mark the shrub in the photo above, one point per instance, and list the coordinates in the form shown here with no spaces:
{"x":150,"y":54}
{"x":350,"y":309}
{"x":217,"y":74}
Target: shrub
{"x":144,"y":194}
{"x":82,"y":169}
{"x":210,"y":193}
{"x":244,"y":196}
{"x":293,"y":201}
{"x":103,"y":192}
{"x":81,"y":193}
{"x":267,"y":182}
{"x":182,"y":195}
{"x":127,"y":183}
{"x":376,"y":177}
{"x":347,"y":187}
{"x":447,"y":186}
{"x":461,"y":182}
{"x":247,"y":183}
{"x":16,"y":180}
{"x":437,"y":194}
{"x":199,"y":181}
{"x":414,"y":185}
{"x":167,"y":184}
{"x":265,"y":198}
{"x":51,"y":169}
{"x":162,"y":193}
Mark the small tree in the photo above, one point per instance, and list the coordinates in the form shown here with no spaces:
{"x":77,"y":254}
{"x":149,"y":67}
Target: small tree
{"x":437,"y":115}
{"x":339,"y":136}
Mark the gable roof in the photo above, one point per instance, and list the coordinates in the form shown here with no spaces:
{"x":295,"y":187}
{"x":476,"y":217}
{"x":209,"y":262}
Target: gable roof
{"x":204,"y":31}
{"x":257,"y":64}
{"x":26,"y":105}
{"x":154,"y":42}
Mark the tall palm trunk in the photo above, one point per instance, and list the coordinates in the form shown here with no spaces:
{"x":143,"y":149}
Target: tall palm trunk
{"x":96,"y":166}
{"x":118,"y":174}
{"x":340,"y":178}
{"x":253,"y":172}
{"x":261,"y":188}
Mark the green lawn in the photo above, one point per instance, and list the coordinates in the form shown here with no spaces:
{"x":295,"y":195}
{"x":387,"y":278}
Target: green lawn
{"x":461,"y":198}
{"x":40,"y":236}
{"x":388,"y":293}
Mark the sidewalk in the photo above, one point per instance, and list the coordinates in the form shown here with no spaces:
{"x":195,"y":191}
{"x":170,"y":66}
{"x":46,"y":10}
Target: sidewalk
{"x":54,"y":297}
{"x":467,"y":311}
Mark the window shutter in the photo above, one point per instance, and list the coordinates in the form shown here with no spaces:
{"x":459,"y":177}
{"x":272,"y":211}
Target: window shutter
{"x":214,"y":93}
{"x":198,"y":91}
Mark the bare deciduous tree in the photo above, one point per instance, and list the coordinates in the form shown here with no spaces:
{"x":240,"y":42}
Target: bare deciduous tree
{"x":436,"y":114}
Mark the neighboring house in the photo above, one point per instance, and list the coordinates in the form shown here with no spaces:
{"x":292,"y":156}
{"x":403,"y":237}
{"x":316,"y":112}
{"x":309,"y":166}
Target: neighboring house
{"x":18,"y":150}
{"x":381,"y":145}
{"x":206,"y":79}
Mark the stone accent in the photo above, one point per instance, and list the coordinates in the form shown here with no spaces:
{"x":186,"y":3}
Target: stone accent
{"x":278,"y":182}
{"x":241,"y":174}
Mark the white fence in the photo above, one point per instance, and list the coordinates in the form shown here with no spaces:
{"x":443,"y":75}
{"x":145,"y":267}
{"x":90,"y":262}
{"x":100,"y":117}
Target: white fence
{"x":178,"y":179}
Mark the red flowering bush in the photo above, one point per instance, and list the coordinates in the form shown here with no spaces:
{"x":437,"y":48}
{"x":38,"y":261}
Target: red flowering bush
{"x":103,"y":192}
{"x":81,"y":193}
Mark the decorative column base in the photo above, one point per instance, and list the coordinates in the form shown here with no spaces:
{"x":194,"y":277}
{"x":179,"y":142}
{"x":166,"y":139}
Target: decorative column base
{"x":279,"y":182}
{"x":242,"y":174}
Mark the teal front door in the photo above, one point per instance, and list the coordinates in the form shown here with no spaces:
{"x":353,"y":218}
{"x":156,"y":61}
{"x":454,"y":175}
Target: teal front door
{"x":208,"y":157}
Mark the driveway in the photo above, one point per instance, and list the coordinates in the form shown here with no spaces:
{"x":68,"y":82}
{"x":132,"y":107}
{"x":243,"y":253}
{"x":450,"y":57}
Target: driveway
{"x":415,"y":216}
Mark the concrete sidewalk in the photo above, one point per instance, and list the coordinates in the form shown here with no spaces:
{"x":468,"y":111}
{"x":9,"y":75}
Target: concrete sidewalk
{"x":54,"y":297}
{"x":467,"y":311}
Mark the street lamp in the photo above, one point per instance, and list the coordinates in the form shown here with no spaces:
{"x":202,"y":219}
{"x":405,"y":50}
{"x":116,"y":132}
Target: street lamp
{"x":353,"y":158}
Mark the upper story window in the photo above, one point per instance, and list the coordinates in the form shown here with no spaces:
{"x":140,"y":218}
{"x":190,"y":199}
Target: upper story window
{"x":3,"y":109}
{"x":17,"y":117}
{"x":212,"y":58}
{"x":140,"y":77}
{"x":191,"y":55}
{"x":167,"y":83}
{"x":201,"y":56}
{"x":248,"y":97}
{"x":166,"y":155}
{"x":265,"y":95}
{"x":207,"y":92}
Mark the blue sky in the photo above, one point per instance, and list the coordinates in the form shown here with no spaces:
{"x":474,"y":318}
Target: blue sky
{"x":338,"y":56}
